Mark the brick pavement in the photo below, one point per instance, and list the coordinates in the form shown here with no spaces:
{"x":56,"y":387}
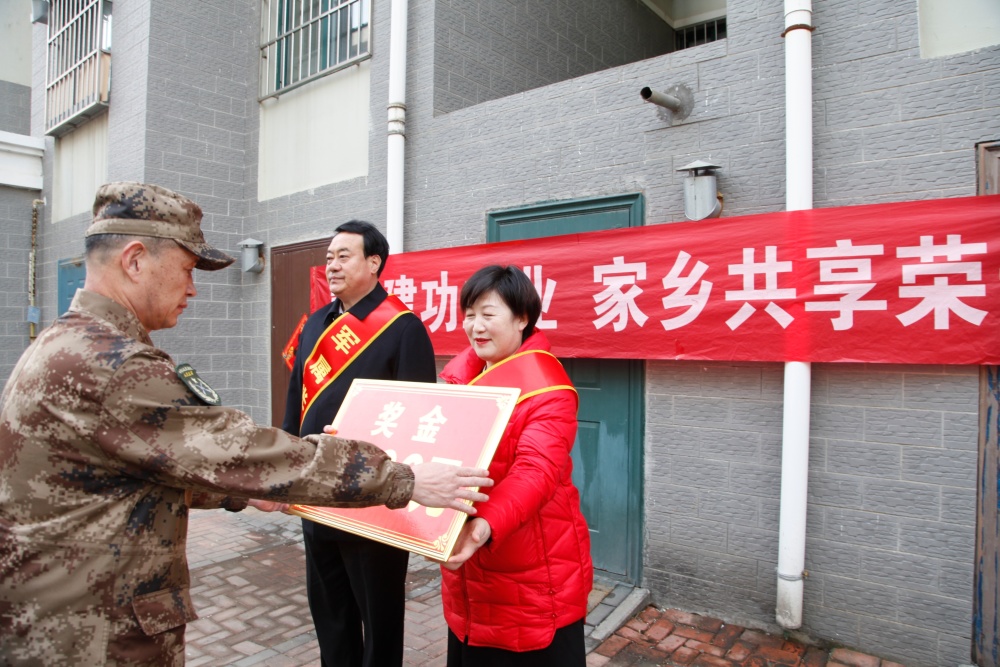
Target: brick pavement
{"x":669,"y":637}
{"x":248,"y":586}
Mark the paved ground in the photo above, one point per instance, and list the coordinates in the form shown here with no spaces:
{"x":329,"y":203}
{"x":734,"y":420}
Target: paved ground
{"x":656,"y":637}
{"x":248,"y":585}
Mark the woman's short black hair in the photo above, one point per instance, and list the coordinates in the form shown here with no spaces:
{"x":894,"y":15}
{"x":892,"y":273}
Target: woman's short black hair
{"x":374,"y":242}
{"x":510,"y":283}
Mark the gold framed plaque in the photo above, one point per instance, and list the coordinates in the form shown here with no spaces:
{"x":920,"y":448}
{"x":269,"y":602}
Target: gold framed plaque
{"x":416,"y":422}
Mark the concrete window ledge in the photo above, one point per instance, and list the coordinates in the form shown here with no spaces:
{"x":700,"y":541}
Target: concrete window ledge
{"x":21,"y":160}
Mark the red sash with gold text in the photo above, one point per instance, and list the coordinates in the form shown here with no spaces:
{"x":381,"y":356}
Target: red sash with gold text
{"x":534,"y":371}
{"x":340,"y":344}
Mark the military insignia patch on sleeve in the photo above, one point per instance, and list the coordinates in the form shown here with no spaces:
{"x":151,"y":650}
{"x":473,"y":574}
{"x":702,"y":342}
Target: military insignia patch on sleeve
{"x":198,"y":387}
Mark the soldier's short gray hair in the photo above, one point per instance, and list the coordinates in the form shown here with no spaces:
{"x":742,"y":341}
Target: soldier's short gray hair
{"x":97,"y":247}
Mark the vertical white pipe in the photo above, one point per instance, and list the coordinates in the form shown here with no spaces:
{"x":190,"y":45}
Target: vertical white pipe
{"x":798,"y":106}
{"x":397,"y":126}
{"x":798,"y":375}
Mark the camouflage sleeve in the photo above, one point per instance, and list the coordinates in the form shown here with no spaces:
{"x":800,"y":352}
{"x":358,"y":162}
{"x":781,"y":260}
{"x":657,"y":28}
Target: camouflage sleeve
{"x":152,"y":426}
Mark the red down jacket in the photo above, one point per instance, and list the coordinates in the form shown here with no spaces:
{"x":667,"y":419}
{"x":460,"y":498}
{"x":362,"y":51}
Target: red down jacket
{"x":535,"y":574}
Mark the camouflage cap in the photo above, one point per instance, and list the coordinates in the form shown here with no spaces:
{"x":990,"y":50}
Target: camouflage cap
{"x":143,"y":209}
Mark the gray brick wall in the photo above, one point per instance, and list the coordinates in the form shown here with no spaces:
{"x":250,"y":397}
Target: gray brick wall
{"x":63,"y":239}
{"x":889,"y":125}
{"x":184,"y":79}
{"x":195,"y":134}
{"x":127,"y":111}
{"x":891,"y":519}
{"x":56,"y":240}
{"x":15,"y":246}
{"x":910,"y":512}
{"x":487,"y":49}
{"x":15,"y":237}
{"x":15,"y":107}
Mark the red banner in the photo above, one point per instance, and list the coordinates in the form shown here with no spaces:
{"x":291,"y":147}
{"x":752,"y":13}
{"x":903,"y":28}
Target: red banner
{"x":319,"y":288}
{"x":913,"y":282}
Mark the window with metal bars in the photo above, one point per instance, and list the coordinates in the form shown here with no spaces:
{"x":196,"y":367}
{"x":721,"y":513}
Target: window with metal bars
{"x":701,"y":33}
{"x":78,"y":63}
{"x":303,"y":40}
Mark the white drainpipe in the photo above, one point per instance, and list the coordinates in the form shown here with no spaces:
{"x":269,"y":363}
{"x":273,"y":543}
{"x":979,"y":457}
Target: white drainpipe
{"x":795,"y":422}
{"x":397,"y":126}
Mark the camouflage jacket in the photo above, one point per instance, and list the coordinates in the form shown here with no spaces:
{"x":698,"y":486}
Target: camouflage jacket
{"x":102,"y":452}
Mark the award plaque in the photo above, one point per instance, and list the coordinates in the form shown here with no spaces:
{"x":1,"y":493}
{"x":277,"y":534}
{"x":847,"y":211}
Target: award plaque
{"x":416,"y":422}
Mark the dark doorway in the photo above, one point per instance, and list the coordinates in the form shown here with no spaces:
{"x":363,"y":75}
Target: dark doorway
{"x":290,"y":266}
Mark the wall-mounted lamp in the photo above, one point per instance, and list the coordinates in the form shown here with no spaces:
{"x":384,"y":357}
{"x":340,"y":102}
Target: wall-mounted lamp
{"x":251,"y":256}
{"x":40,"y":11}
{"x":677,"y":100}
{"x":702,"y":198}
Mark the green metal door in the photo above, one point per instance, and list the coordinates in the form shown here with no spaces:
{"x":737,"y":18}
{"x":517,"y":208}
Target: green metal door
{"x":607,"y":454}
{"x":70,"y":274}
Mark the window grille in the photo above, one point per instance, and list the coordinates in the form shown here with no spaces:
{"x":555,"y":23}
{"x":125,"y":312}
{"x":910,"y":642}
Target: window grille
{"x":78,"y":68}
{"x":303,"y":40}
{"x":701,"y":33}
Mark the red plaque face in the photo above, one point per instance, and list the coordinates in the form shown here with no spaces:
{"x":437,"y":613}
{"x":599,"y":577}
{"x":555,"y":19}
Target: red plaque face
{"x":416,"y":422}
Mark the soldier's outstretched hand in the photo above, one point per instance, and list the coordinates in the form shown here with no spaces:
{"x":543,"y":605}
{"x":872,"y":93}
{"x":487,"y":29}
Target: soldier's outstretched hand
{"x":445,"y":485}
{"x":268,"y":505}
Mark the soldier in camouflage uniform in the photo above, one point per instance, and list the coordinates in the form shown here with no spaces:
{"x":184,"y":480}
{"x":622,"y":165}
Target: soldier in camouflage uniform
{"x":104,"y":449}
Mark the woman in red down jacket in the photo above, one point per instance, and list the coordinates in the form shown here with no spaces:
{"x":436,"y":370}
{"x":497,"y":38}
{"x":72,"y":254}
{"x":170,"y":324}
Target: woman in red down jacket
{"x":515,"y":589}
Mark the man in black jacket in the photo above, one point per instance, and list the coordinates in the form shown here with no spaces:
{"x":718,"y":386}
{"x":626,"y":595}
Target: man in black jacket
{"x":355,"y":586}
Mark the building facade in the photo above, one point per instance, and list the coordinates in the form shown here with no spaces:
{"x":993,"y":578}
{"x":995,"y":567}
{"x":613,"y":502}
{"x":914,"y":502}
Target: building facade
{"x":20,"y":183}
{"x":522,"y":104}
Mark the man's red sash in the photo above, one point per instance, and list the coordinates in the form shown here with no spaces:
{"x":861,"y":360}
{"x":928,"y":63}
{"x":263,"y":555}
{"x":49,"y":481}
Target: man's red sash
{"x":340,"y":344}
{"x":534,"y":371}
